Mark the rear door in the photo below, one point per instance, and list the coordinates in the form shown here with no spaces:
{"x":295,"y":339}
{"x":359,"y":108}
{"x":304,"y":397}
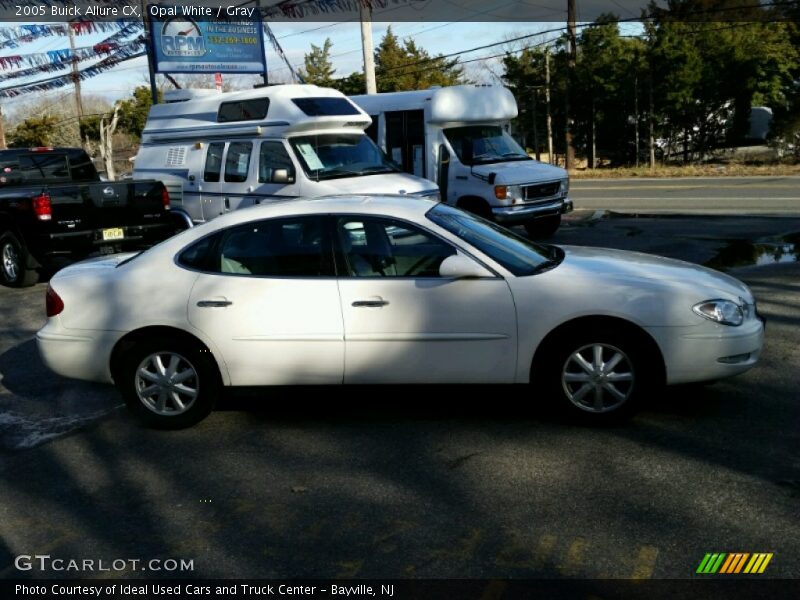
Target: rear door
{"x":268,"y":298}
{"x":210,"y":199}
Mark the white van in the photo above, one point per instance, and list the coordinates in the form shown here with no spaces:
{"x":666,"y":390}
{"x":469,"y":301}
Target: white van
{"x":217,"y":152}
{"x":458,"y":137}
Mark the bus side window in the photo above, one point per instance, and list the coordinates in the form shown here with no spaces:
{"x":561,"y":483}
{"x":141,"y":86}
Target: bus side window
{"x":237,"y":161}
{"x":213,"y":162}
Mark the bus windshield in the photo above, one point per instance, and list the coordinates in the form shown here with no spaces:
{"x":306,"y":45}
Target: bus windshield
{"x":337,"y":155}
{"x":484,"y":144}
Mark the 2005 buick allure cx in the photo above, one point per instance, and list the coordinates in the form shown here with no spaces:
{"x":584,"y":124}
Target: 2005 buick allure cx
{"x":389,"y":290}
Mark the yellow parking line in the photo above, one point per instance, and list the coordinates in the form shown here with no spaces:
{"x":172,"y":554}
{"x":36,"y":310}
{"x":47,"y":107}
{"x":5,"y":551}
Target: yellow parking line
{"x":645,"y":563}
{"x":765,"y":563}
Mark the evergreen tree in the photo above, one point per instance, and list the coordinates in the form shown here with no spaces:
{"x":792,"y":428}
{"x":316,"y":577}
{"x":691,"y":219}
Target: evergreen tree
{"x":318,"y":68}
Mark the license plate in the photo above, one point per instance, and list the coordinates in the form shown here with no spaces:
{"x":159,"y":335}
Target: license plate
{"x":117,"y":233}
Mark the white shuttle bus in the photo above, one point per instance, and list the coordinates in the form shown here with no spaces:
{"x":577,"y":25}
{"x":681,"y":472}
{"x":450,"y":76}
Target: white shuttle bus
{"x":217,"y":152}
{"x":458,"y":137}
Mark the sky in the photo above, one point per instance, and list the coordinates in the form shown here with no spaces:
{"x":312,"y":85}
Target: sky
{"x":296,"y":40}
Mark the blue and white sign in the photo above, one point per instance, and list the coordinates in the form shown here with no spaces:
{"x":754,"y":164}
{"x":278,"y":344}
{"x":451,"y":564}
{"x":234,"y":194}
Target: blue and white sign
{"x":183,"y":43}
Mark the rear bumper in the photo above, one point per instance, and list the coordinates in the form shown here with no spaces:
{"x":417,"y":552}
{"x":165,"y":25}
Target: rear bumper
{"x":78,"y":355}
{"x":522,"y":213}
{"x":89,"y":241}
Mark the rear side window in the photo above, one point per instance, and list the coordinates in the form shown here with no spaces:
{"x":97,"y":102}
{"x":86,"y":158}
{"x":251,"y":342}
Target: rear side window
{"x":81,"y":167}
{"x":243,"y":110}
{"x":213,"y":162}
{"x":325,"y":107}
{"x":289,"y":247}
{"x":237,"y":162}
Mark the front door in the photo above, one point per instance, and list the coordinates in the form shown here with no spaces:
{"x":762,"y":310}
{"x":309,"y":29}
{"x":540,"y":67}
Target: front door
{"x":268,"y":298}
{"x":404,"y":323}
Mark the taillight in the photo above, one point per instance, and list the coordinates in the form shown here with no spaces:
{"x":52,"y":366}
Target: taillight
{"x":165,"y":198}
{"x":42,"y":149}
{"x":53,"y":303}
{"x":42,"y":207}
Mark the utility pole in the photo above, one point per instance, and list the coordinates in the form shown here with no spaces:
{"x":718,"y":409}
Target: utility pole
{"x":76,"y":79}
{"x":151,"y":67}
{"x":366,"y":44}
{"x":572,"y":36}
{"x":547,"y":100}
{"x":535,"y":126}
{"x":2,"y":130}
{"x":652,"y":127}
{"x":636,"y":114}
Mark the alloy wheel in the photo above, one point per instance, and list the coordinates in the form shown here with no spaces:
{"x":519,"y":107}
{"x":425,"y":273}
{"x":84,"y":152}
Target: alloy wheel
{"x":598,"y":378}
{"x":167,"y":383}
{"x":10,"y":261}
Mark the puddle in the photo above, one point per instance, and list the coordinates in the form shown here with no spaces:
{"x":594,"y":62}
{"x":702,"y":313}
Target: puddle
{"x":769,"y":251}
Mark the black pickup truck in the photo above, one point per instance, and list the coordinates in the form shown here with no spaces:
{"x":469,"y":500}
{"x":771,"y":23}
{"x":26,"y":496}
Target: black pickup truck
{"x":55,"y":209}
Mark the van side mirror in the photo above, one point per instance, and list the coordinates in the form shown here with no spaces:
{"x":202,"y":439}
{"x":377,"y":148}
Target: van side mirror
{"x":459,"y":266}
{"x":280,"y":176}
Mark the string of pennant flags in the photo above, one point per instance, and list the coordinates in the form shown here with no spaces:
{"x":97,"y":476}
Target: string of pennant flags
{"x":101,"y":49}
{"x":12,"y":37}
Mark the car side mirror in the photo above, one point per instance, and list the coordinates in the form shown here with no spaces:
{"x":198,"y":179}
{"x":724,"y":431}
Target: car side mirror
{"x":281,"y":176}
{"x":459,"y":266}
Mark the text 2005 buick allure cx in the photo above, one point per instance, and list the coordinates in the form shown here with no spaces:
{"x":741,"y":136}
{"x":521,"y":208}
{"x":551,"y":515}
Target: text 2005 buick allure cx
{"x":389,"y":290}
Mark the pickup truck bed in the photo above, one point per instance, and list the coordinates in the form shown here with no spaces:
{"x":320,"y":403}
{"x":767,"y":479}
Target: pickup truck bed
{"x":54,"y":209}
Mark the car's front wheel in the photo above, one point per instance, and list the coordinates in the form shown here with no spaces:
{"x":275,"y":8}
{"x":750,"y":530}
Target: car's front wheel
{"x":168,"y":384}
{"x":597,"y":376}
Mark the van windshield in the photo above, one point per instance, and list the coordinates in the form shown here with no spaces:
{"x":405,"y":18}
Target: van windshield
{"x":337,"y":155}
{"x":484,"y":144}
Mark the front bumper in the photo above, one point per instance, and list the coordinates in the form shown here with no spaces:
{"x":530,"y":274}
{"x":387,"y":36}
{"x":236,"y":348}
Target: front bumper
{"x":522,"y":213}
{"x":709,"y":352}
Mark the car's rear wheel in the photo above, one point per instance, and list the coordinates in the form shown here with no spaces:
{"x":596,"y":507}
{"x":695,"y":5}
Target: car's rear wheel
{"x":14,"y":271}
{"x":168,"y":384}
{"x":544,"y":227}
{"x":598,"y":376}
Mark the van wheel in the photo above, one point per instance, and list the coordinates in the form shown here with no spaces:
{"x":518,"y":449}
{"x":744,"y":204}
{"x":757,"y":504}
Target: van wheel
{"x":544,"y":227}
{"x":14,"y":271}
{"x":169,"y":384}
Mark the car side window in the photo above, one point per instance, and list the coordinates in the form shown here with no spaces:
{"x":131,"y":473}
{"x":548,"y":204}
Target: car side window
{"x":290,"y":247}
{"x":237,"y":162}
{"x":375,"y":247}
{"x":213,"y":161}
{"x":272,"y":156}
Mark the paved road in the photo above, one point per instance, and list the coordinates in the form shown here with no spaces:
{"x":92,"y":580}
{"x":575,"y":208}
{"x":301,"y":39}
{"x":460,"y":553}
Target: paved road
{"x":701,"y":195}
{"x":419,"y":482}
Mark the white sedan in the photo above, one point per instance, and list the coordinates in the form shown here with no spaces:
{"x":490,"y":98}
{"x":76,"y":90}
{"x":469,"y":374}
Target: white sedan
{"x":389,"y":290}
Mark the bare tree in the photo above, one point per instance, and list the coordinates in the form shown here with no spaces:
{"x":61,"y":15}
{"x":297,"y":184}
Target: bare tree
{"x":107,"y":143}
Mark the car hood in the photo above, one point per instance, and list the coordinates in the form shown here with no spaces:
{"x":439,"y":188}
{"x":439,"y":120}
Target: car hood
{"x":608,"y":264}
{"x":517,"y":172}
{"x":381,"y":183}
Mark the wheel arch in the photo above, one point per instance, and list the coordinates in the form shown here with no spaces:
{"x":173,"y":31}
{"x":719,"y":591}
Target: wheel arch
{"x":127,"y":341}
{"x":581,"y":324}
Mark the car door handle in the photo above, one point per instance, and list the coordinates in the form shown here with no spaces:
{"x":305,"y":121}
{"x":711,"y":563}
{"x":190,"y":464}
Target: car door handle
{"x":376,"y":302}
{"x":214,"y":303}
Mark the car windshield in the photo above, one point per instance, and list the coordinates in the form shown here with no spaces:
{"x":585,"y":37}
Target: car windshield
{"x":483,"y":144}
{"x":332,"y":156}
{"x":517,"y":254}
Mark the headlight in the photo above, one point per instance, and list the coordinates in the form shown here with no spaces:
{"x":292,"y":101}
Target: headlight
{"x":430,"y":195}
{"x":721,"y":311}
{"x":565,"y":185}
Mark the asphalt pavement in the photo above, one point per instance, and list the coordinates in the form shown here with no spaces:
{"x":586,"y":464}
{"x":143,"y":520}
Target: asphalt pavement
{"x":424,"y":481}
{"x":691,"y":195}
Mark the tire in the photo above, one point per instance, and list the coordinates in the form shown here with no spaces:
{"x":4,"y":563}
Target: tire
{"x":182,"y":401}
{"x":544,"y":227}
{"x":585,"y":387}
{"x":14,"y":271}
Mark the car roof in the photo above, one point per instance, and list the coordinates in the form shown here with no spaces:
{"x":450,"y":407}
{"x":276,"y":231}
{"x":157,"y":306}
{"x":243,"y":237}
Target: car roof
{"x":395,"y":205}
